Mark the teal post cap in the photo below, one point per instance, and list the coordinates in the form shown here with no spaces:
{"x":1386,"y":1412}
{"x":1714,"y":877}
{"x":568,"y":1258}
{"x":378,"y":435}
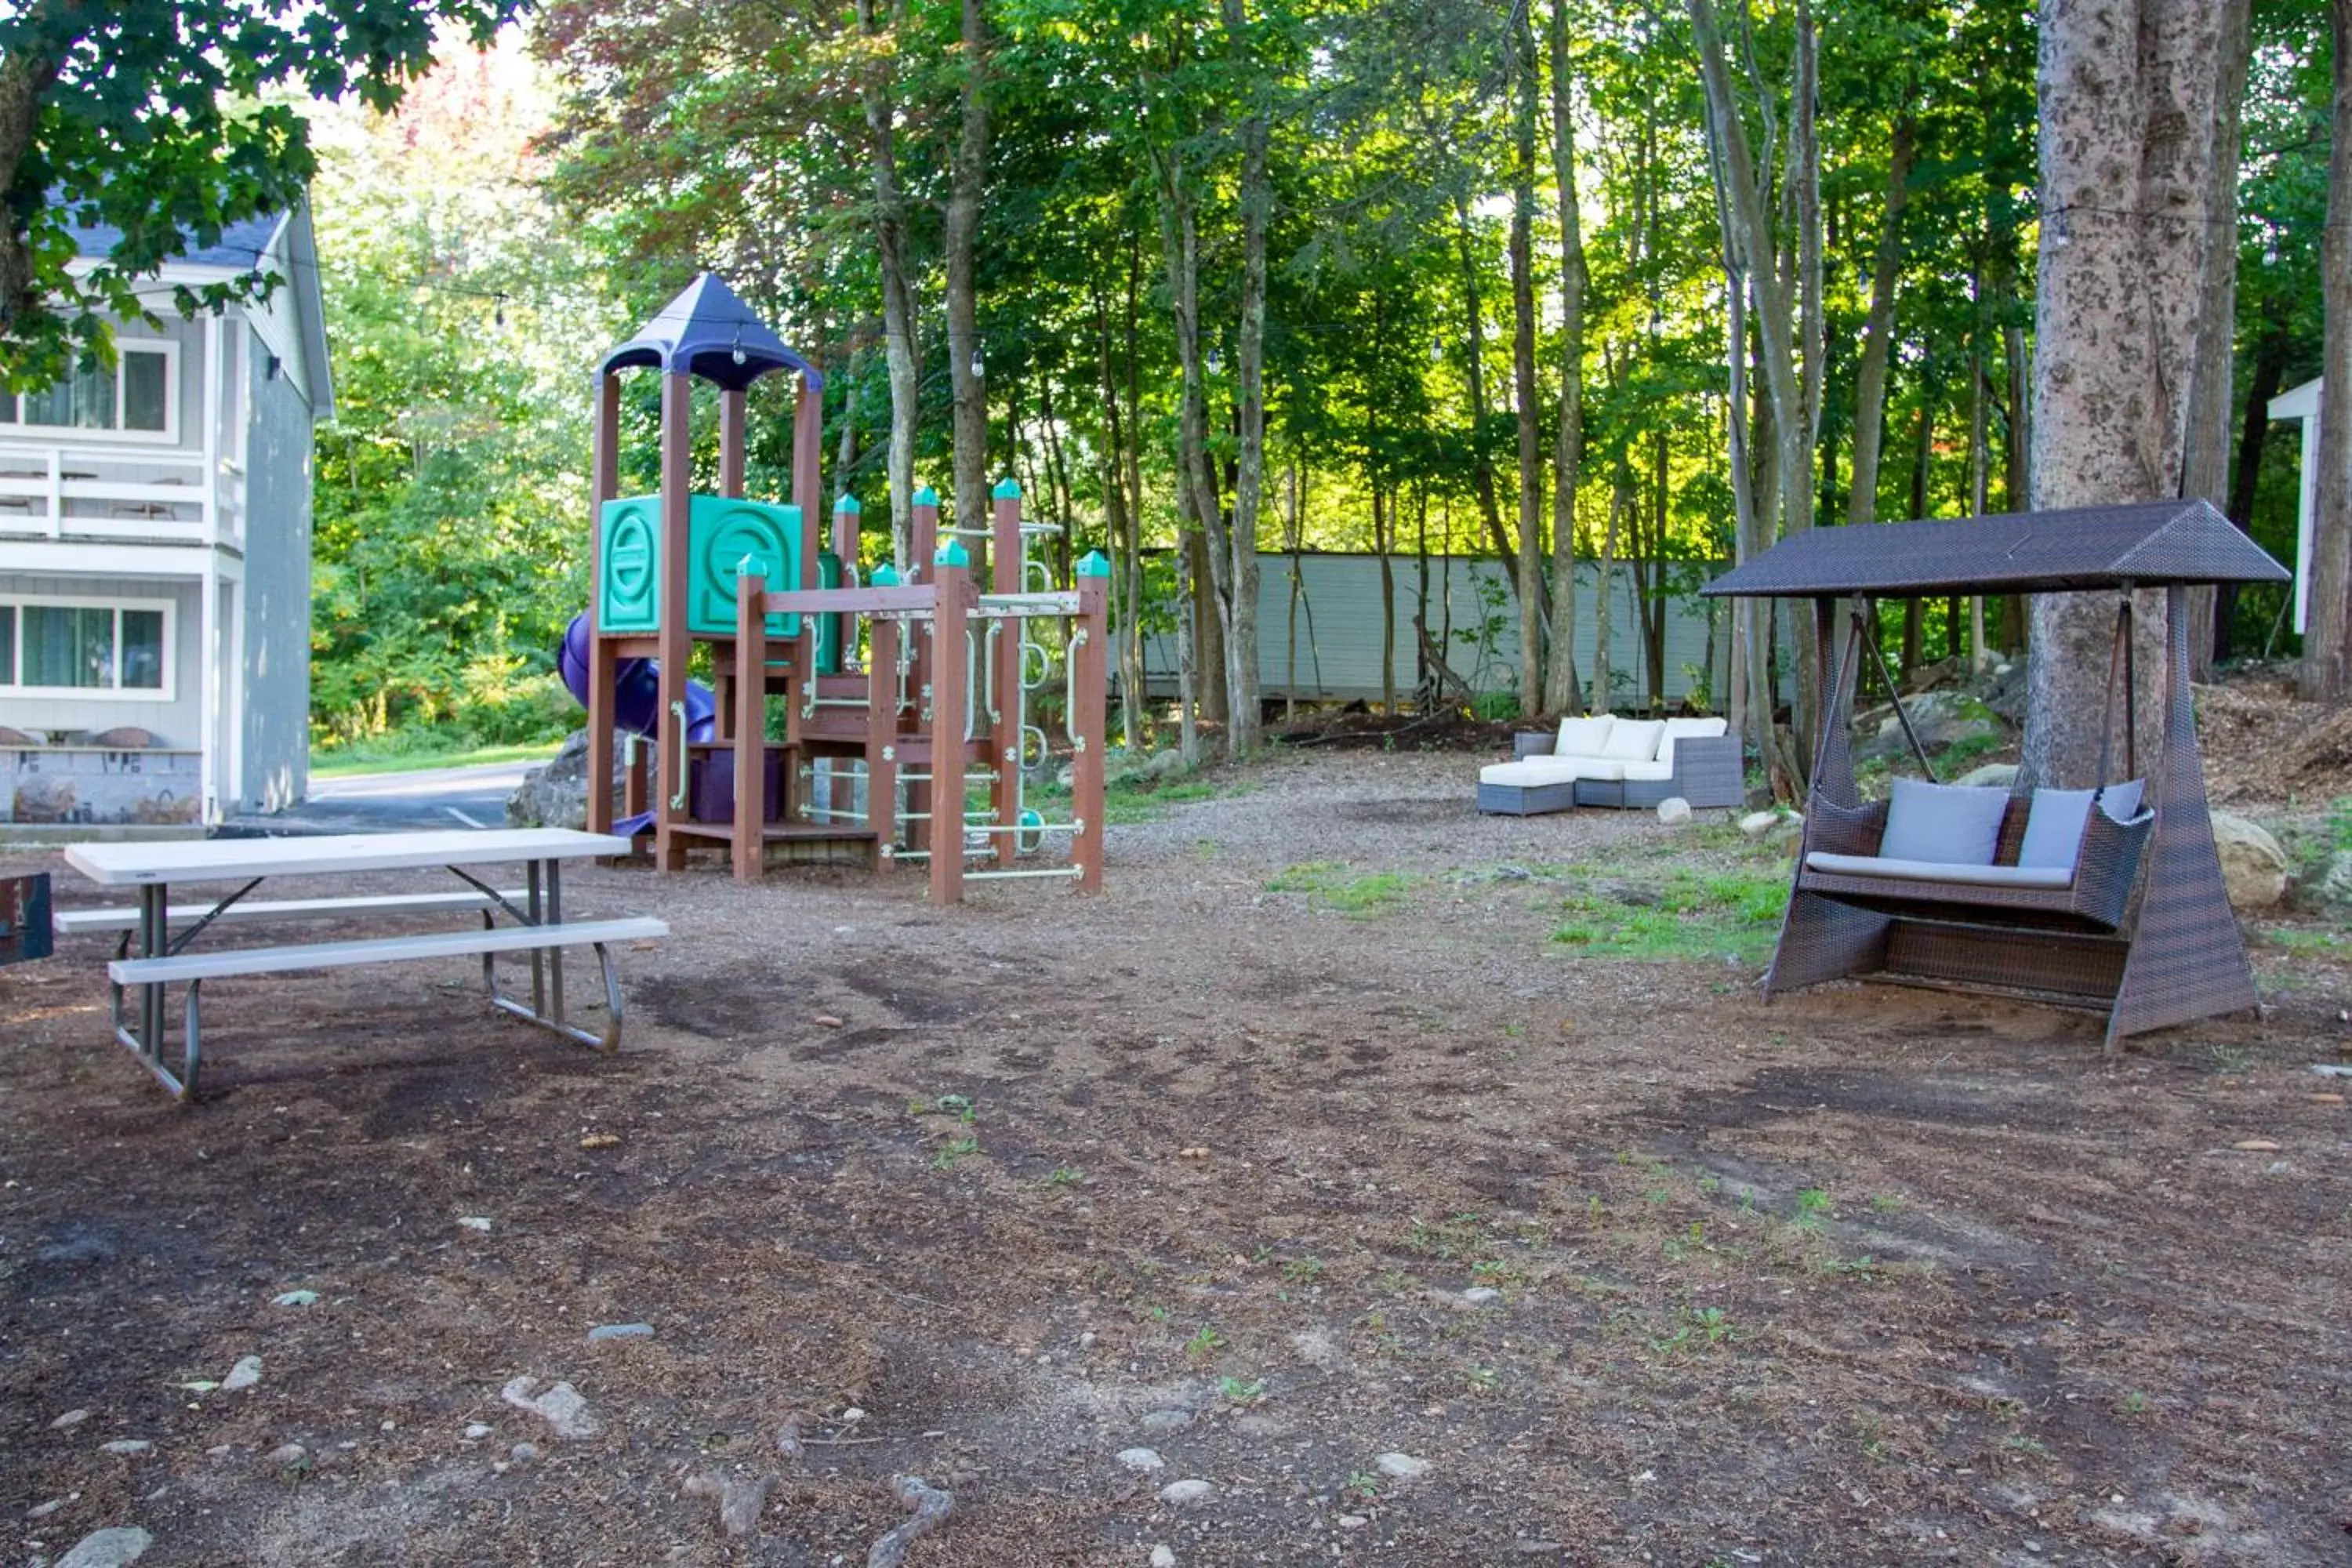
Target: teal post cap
{"x":848,"y":504}
{"x":952,"y":554}
{"x":1007,"y":489}
{"x":1094,"y":563}
{"x":886,"y":575}
{"x":925,"y":496}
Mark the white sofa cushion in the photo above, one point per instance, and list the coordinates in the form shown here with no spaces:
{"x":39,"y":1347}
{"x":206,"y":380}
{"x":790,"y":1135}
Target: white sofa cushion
{"x":1956,"y":824}
{"x":1695,"y":729}
{"x":1635,"y":740}
{"x":1645,"y":772}
{"x":1941,"y":872}
{"x":1583,"y":737}
{"x":1531,"y":771}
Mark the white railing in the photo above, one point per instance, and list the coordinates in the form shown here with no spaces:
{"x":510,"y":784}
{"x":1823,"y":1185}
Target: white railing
{"x":130,"y":493}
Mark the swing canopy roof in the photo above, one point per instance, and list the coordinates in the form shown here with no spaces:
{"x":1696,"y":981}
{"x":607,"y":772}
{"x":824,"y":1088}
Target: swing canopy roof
{"x":2142,"y":545}
{"x":707,"y":331}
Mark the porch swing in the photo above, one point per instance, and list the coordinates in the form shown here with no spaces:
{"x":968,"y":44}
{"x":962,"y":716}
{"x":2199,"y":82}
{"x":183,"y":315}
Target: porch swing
{"x":2109,"y":898}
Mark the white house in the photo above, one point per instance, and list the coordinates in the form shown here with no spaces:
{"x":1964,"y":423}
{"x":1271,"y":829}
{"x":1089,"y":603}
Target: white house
{"x":2303,"y":403}
{"x":155,"y":555}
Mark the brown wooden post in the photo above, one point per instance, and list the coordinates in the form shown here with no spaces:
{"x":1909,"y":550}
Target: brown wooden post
{"x":882,"y":733}
{"x":1089,"y":718}
{"x":808,"y":463}
{"x":730,"y":442}
{"x":750,"y":843}
{"x":676,"y":645}
{"x":604,"y":484}
{"x":1004,"y":677}
{"x":951,"y":678}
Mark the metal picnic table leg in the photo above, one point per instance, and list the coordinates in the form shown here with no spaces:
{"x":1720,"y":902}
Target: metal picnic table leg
{"x":555,"y":955}
{"x":537,"y":958}
{"x":154,"y":941}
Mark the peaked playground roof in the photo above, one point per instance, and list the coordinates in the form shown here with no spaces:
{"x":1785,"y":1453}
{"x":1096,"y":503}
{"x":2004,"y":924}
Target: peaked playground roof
{"x":707,"y":331}
{"x":2143,"y":544}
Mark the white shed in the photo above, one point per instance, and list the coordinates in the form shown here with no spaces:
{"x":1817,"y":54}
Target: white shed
{"x":2303,"y":403}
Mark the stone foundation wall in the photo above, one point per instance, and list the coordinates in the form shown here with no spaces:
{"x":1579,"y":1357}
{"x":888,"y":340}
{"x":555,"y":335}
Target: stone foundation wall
{"x":81,"y":783}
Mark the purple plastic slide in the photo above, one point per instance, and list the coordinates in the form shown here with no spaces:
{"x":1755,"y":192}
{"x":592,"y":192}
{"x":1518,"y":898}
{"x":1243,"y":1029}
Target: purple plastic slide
{"x":636,"y":700}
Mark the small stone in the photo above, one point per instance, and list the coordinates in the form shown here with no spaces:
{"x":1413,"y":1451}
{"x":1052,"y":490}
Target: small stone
{"x":1674,"y":811}
{"x":597,"y":1140}
{"x":43,"y":1509}
{"x":1163,"y":1421}
{"x":1513,"y":874}
{"x":109,"y":1548}
{"x":1142,"y":1460}
{"x":129,"y":1445}
{"x":561,"y":1407}
{"x":1352,"y":1521}
{"x":475,"y":1221}
{"x":620,"y":1332}
{"x":1400,"y":1466}
{"x":2255,"y":1146}
{"x":1176,"y":1494}
{"x":1757,"y":824}
{"x":298,"y":1299}
{"x":243,"y":1375}
{"x":827,"y":1021}
{"x":1086,"y":1340}
{"x":70,"y":1419}
{"x":524,"y":1453}
{"x":286,"y":1457}
{"x":1482,"y":1296}
{"x":2326,"y":1099}
{"x":852,"y":1415}
{"x":1163,"y":1557}
{"x":476,"y":1430}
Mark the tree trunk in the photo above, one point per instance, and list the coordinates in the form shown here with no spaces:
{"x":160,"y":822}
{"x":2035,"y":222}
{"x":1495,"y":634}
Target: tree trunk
{"x":1243,"y":720}
{"x":1878,"y":334}
{"x":2205,"y":469}
{"x":2253,"y":435}
{"x":1532,"y":623}
{"x":967,"y":177}
{"x":901,"y":349}
{"x":1206,"y":548}
{"x":1979,"y":463}
{"x":2326,"y":674}
{"x":1568,"y":445}
{"x":1481,"y":462}
{"x":1603,"y":670}
{"x":1120,"y":527}
{"x":2128,"y":125}
{"x":1921,"y":453}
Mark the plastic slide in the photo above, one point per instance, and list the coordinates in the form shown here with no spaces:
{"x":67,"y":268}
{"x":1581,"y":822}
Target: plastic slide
{"x":636,"y":700}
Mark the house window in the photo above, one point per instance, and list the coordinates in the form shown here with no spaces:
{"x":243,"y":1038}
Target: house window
{"x":86,"y":647}
{"x":134,"y":398}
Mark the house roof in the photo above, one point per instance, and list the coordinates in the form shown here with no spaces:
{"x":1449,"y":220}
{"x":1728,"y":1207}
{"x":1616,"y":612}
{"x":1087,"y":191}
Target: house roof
{"x":707,"y":331}
{"x":2143,"y":544}
{"x":241,"y":244}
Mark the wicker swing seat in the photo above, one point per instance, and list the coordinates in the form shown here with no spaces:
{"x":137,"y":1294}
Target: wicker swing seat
{"x":2138,"y":928}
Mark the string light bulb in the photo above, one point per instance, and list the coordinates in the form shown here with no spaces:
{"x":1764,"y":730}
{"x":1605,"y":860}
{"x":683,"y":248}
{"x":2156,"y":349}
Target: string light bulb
{"x":978,"y":368}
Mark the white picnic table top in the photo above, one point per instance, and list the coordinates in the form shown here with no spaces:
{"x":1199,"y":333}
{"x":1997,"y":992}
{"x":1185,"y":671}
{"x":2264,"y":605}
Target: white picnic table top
{"x":226,"y":860}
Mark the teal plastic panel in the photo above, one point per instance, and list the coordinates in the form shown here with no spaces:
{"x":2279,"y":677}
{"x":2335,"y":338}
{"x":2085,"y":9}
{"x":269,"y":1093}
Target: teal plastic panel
{"x":724,"y":538}
{"x":629,"y":599}
{"x":828,"y":627}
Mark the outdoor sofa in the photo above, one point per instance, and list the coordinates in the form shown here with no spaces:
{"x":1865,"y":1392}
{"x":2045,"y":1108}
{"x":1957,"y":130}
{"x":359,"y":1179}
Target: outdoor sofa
{"x":1608,"y":761}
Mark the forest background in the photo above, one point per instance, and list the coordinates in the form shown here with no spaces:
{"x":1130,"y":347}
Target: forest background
{"x":1384,"y":276}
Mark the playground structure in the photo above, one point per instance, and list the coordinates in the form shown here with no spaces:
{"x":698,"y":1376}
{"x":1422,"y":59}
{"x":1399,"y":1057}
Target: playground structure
{"x":901,"y":696}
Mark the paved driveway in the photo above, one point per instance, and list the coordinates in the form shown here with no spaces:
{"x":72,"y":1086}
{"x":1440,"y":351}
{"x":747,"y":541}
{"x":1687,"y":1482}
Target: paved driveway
{"x":472,"y":796}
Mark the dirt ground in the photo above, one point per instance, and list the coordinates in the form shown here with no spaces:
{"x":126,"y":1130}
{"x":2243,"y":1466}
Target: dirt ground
{"x":1205,"y":1165}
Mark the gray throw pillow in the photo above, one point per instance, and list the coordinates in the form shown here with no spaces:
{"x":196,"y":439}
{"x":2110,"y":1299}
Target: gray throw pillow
{"x":2121,"y":801}
{"x":1950,"y":825}
{"x":2053,"y":827}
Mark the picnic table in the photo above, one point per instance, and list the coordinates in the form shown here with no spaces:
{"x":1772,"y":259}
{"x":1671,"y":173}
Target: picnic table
{"x":153,"y":954}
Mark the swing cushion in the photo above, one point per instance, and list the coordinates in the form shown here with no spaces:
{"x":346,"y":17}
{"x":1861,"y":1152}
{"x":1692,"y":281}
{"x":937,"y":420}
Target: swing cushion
{"x":1635,"y":740}
{"x":1583,"y":737}
{"x":1944,"y":825}
{"x":2055,"y":823}
{"x":1963,"y":876}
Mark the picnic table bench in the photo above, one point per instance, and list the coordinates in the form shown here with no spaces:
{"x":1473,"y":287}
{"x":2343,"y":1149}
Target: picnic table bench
{"x":153,"y":954}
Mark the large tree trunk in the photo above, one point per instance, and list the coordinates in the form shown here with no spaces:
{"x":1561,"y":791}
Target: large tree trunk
{"x":1482,"y":461}
{"x":2327,"y":641}
{"x":967,"y":177}
{"x":901,"y":349}
{"x":1523,"y":365}
{"x":1205,"y":546}
{"x":1243,"y":714}
{"x":1878,"y":334}
{"x":1568,"y":445}
{"x":24,"y":77}
{"x":2127,"y":126}
{"x":1121,"y":527}
{"x":2206,"y":466}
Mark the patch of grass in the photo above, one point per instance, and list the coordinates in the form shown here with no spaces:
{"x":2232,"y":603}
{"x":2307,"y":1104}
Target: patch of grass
{"x":1066,"y":1176}
{"x":956,"y":1149}
{"x":1446,"y":1237}
{"x":1134,"y":798}
{"x":1362,"y":1485}
{"x":348,"y":762}
{"x":1205,"y":1341}
{"x":1333,"y":885}
{"x":1813,"y":1207}
{"x":1239,"y":1392}
{"x":1672,"y":912}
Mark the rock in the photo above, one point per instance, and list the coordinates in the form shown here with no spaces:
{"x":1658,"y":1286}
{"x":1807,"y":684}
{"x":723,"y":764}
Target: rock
{"x":296,"y":1299}
{"x":561,"y":1407}
{"x":524,"y":1453}
{"x":602,"y":1331}
{"x":243,"y":1375}
{"x":1353,"y":1520}
{"x":109,"y":1548}
{"x":43,"y":797}
{"x":1163,"y":1421}
{"x":476,"y":1430}
{"x":555,"y":794}
{"x":286,"y":1457}
{"x":1176,"y":1494}
{"x":475,"y":1222}
{"x":129,"y":1447}
{"x":1164,"y":764}
{"x":1757,"y":824}
{"x":1143,"y":1461}
{"x":740,"y":1501}
{"x":2333,"y":890}
{"x":43,"y":1509}
{"x":2254,"y":867}
{"x":1942,"y":718}
{"x":1674,"y":811}
{"x":1163,"y":1557}
{"x":1482,"y":1296}
{"x":1997,"y":775}
{"x":70,"y":1419}
{"x":1400,"y":1466}
{"x":1319,"y":1348}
